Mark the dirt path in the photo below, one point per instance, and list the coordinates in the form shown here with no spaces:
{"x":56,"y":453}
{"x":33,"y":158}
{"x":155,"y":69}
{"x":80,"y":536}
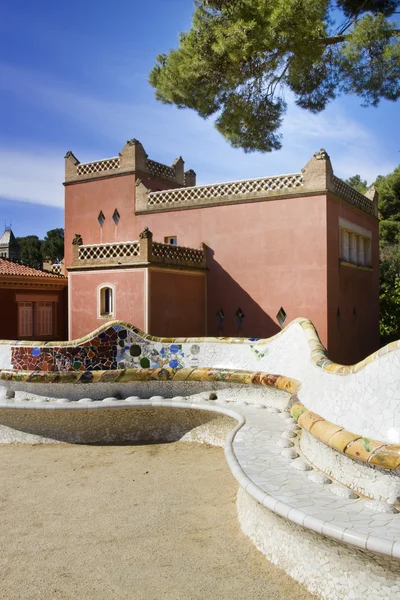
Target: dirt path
{"x":140,"y":522}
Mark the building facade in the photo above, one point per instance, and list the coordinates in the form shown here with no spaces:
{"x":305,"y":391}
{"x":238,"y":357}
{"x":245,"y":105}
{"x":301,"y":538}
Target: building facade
{"x":33,"y":303}
{"x":146,"y":245}
{"x":9,"y":247}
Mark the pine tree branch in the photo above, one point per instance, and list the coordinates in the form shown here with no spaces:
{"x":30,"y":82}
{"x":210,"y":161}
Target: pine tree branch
{"x":338,"y":39}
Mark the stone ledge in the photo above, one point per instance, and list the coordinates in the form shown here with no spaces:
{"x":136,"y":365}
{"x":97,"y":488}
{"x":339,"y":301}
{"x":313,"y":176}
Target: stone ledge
{"x":344,"y":263}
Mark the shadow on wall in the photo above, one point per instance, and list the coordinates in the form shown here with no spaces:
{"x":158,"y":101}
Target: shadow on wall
{"x":232,"y":312}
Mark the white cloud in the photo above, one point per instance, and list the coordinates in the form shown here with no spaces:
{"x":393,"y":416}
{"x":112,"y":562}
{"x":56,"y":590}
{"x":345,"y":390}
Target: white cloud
{"x":332,"y":124}
{"x":105,"y":123}
{"x":363,"y":162}
{"x":32,"y":176}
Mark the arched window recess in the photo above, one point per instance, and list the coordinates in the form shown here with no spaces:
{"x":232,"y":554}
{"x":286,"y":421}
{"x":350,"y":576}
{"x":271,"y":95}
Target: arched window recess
{"x":106,"y":301}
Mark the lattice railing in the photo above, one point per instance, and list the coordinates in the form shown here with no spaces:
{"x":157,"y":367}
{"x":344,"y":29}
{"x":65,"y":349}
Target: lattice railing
{"x":56,"y":268}
{"x":353,"y":196}
{"x":107,"y":164}
{"x":160,"y":170}
{"x":221,"y":190}
{"x":177,"y":254}
{"x":104,"y":252}
{"x":144,"y":251}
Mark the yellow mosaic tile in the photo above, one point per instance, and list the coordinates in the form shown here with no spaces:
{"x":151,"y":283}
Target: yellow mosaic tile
{"x":307,"y":419}
{"x":298,"y":409}
{"x":183,"y":374}
{"x":387,"y":457}
{"x":362,"y":448}
{"x":138,"y":374}
{"x":97,"y":375}
{"x":340,"y":440}
{"x":242,"y":377}
{"x":324,"y":430}
{"x":198,"y":375}
{"x":288,"y":385}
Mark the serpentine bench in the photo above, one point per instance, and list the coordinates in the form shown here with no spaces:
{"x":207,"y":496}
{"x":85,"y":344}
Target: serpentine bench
{"x":315,"y":498}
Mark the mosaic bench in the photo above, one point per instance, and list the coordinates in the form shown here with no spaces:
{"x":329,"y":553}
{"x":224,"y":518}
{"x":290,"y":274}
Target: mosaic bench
{"x":315,"y":498}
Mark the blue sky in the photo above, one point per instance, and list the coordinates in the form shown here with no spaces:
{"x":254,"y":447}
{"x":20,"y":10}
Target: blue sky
{"x":73,"y":76}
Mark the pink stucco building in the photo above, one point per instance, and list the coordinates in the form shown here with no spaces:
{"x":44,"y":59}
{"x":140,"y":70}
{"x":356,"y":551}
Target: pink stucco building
{"x":146,"y":245}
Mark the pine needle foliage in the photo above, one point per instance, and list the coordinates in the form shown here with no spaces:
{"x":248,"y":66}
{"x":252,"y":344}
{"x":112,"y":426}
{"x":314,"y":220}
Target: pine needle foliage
{"x":240,"y":56}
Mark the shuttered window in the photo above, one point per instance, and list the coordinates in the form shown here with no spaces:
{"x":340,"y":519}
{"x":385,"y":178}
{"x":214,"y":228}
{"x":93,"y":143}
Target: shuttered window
{"x":345,"y":245}
{"x":35,"y":319}
{"x":360,"y":250}
{"x":44,"y":318}
{"x":355,"y":248}
{"x":25,"y":319}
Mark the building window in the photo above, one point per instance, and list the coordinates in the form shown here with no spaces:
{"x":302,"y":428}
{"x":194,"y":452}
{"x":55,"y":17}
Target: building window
{"x":281,"y":316}
{"x":35,"y":319}
{"x":355,"y":248}
{"x":172,"y":239}
{"x":239,"y":316}
{"x":116,"y":217}
{"x":101,"y":218}
{"x":367,"y":252}
{"x":44,"y":319}
{"x":344,"y":245}
{"x":360,"y":250}
{"x":25,"y":319}
{"x":220,"y":317}
{"x":106,"y":301}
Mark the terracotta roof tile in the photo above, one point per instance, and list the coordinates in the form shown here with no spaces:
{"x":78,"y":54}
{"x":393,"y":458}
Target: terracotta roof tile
{"x":8,"y":267}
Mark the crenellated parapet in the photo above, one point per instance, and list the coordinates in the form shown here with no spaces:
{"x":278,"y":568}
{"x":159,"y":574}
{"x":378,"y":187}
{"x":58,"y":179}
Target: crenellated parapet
{"x":132,"y":159}
{"x":317,"y":177}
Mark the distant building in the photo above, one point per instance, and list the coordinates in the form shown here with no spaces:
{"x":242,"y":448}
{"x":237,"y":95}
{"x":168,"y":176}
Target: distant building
{"x":33,"y":303}
{"x":144,"y":244}
{"x":9,"y":247}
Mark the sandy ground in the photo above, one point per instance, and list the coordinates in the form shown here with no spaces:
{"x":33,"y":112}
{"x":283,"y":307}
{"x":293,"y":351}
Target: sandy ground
{"x":139,"y":522}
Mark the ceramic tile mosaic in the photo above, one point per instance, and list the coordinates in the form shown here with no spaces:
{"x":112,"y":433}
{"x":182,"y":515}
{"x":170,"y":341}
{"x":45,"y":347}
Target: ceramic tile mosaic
{"x":328,"y":568}
{"x":99,"y":353}
{"x":363,"y":398}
